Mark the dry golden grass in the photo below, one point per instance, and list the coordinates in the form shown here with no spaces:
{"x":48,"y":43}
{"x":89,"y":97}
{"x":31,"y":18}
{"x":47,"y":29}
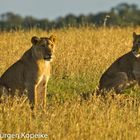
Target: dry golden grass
{"x":81,"y":56}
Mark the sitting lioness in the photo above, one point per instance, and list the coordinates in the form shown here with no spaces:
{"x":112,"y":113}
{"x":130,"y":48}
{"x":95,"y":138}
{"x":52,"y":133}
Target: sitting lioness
{"x":124,"y":72}
{"x":31,"y":72}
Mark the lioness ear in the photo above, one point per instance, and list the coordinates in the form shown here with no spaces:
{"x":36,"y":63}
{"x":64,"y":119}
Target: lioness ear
{"x":134,"y":35}
{"x":34,"y":40}
{"x":53,"y":38}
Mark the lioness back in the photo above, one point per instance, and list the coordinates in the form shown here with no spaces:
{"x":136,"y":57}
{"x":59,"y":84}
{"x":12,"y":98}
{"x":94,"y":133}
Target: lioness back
{"x":14,"y":77}
{"x":32,"y":71}
{"x":122,"y":73}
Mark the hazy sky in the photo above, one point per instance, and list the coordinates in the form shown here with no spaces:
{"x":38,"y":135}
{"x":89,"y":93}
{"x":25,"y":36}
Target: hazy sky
{"x":52,"y":9}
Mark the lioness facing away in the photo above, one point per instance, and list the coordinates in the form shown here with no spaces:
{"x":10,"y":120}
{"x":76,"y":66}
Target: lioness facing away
{"x":31,"y":72}
{"x":124,"y":72}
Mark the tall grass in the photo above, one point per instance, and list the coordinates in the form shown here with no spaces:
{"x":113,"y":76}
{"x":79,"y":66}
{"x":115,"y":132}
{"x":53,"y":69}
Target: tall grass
{"x":81,"y":56}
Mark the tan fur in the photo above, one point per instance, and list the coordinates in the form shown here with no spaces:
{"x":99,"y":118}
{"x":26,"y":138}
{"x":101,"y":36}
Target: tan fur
{"x":31,"y":72}
{"x":124,"y":72}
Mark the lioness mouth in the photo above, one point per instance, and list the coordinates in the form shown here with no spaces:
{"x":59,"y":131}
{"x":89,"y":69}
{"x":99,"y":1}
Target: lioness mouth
{"x":136,"y":54}
{"x":47,"y":58}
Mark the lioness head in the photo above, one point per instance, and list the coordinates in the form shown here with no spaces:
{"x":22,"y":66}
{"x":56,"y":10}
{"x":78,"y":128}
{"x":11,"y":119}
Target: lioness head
{"x":43,"y":48}
{"x":136,"y":45}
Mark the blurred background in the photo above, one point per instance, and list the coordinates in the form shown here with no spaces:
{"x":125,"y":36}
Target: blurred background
{"x":45,"y":14}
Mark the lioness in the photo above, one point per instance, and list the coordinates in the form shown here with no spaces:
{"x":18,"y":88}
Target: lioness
{"x":125,"y":71}
{"x":32,"y":71}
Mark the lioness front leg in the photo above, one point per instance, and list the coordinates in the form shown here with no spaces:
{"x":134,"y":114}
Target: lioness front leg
{"x":31,"y":95}
{"x":40,"y":95}
{"x":41,"y":92}
{"x":118,"y":81}
{"x":37,"y":95}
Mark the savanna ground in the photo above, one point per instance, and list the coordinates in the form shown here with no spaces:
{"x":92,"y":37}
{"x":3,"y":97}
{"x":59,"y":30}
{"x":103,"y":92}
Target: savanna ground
{"x":81,"y":56}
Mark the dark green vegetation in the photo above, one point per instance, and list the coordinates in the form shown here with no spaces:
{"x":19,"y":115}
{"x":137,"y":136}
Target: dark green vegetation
{"x":121,"y":15}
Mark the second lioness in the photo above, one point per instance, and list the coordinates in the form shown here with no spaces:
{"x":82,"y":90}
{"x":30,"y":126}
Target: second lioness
{"x":32,"y":71}
{"x":124,"y":72}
